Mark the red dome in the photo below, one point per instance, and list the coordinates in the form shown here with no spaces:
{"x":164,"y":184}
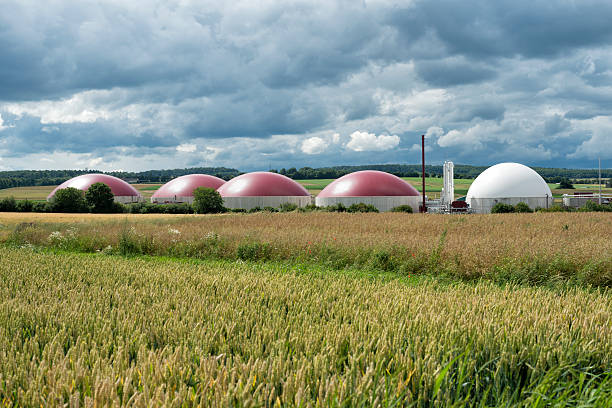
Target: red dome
{"x":183,"y":186}
{"x":261,"y":183}
{"x":368,"y":183}
{"x":83,"y":182}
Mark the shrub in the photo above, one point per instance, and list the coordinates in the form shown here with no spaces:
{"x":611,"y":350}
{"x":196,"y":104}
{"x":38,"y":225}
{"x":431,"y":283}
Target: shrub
{"x":402,"y":208}
{"x":99,"y":198}
{"x":270,"y":209}
{"x":382,"y":260}
{"x":362,"y":208}
{"x":310,"y":208}
{"x":287,"y":207}
{"x":522,"y":208}
{"x":8,"y":204}
{"x":255,"y":209}
{"x":335,"y":208}
{"x":41,"y":207}
{"x":25,"y":206}
{"x":69,"y":200}
{"x":207,"y":201}
{"x":501,"y":208}
{"x":593,"y":206}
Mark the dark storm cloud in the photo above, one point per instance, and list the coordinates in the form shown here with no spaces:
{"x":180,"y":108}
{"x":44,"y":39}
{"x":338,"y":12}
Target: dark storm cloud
{"x":513,"y":79}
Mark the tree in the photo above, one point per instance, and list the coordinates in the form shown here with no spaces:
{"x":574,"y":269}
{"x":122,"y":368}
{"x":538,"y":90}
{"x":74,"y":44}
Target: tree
{"x":207,"y":201}
{"x":565,"y":183}
{"x":100,"y":198}
{"x":70,"y":200}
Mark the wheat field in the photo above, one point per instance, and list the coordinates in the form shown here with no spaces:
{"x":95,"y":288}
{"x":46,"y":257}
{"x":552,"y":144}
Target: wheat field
{"x":97,"y":330}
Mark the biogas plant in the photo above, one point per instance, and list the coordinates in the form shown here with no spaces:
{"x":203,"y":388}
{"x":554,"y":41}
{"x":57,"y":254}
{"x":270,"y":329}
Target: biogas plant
{"x":507,"y":183}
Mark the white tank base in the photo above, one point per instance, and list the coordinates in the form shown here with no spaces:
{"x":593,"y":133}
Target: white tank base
{"x":382,"y":203}
{"x":484,"y":205}
{"x":248,"y":203}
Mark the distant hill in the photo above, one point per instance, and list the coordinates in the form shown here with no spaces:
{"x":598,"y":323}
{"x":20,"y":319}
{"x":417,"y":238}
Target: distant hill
{"x":24,"y":178}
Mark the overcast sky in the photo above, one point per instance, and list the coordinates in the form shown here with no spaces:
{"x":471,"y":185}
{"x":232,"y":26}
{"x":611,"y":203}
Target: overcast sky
{"x":136,"y":85}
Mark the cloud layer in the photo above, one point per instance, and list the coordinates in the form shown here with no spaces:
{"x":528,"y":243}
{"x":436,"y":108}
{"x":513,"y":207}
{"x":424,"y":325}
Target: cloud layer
{"x":112,"y":85}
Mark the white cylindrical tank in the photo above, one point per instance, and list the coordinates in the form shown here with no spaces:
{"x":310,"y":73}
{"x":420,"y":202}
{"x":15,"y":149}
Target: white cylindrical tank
{"x":508,"y":183}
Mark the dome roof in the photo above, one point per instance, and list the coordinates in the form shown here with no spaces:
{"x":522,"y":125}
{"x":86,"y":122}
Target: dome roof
{"x":183,"y":186}
{"x":508,"y":180}
{"x":368,"y":183}
{"x":261,"y":183}
{"x":83,"y":182}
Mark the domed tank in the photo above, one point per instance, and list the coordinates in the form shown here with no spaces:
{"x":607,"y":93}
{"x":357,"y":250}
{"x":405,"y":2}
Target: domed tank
{"x":123,"y":192}
{"x":378,"y":188}
{"x":508,"y":183}
{"x":262,"y":189}
{"x":180,"y":189}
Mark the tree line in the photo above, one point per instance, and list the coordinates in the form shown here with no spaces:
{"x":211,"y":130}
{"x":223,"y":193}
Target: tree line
{"x":25,"y":178}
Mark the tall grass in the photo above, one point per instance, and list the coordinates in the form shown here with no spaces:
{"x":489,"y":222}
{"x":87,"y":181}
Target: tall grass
{"x":517,"y":248}
{"x":87,"y":330}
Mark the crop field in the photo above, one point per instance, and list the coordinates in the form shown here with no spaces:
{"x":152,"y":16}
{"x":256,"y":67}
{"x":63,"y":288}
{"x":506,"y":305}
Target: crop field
{"x":306,"y":309}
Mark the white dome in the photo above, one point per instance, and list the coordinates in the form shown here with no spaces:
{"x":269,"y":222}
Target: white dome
{"x":508,"y":180}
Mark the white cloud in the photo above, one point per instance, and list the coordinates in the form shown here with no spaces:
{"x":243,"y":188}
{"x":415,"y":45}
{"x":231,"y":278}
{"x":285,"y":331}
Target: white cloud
{"x":186,"y":148}
{"x":314,"y":145}
{"x":95,"y":162}
{"x":369,"y":142}
{"x":2,"y":127}
{"x":336,"y":138}
{"x":80,"y":108}
{"x":434,"y":131}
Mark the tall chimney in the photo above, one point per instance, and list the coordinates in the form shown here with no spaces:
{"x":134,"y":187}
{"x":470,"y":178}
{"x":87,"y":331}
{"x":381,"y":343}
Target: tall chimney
{"x":424,"y":209}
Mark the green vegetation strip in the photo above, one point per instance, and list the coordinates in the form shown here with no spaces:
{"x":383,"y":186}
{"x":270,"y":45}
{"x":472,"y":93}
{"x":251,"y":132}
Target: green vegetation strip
{"x":105,"y":330}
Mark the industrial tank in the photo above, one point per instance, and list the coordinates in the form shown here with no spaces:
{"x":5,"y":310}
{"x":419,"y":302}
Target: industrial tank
{"x":180,"y":189}
{"x":123,"y":192}
{"x":378,"y":188}
{"x":262,"y":189}
{"x":508,"y":183}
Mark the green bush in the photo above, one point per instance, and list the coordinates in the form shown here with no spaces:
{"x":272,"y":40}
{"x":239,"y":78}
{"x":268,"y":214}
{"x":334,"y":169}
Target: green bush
{"x":593,"y":206}
{"x":100,"y":198}
{"x":288,"y":207}
{"x":270,"y":209}
{"x":8,"y":204}
{"x":255,"y":209}
{"x":402,"y":208}
{"x":69,"y":200}
{"x":42,"y":207}
{"x":25,"y":206}
{"x":207,"y":201}
{"x":362,"y":208}
{"x":501,"y":208}
{"x":522,"y":208}
{"x":335,"y":208}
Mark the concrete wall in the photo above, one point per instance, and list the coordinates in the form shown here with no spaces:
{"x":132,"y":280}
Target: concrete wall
{"x":265,"y":201}
{"x":579,"y":201}
{"x":173,"y":199}
{"x":128,"y":199}
{"x":383,"y":204}
{"x":484,"y":205}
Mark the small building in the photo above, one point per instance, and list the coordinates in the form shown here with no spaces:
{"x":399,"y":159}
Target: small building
{"x":180,"y":189}
{"x":378,"y":188}
{"x":123,"y":192}
{"x":263,"y":189}
{"x":508,"y":183}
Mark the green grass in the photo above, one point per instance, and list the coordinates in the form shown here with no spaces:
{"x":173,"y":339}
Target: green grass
{"x":105,"y":330}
